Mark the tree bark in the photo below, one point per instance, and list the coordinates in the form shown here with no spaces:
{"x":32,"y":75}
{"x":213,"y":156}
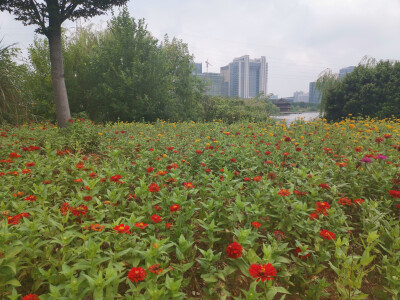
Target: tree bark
{"x":57,"y":77}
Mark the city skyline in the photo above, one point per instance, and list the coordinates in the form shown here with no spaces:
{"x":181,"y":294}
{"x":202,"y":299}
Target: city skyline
{"x":299,"y":38}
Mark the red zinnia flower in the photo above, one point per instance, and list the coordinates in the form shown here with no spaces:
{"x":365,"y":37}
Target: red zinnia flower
{"x":234,"y":250}
{"x":30,"y":198}
{"x":122,"y":228}
{"x":233,"y":160}
{"x":256,"y":224}
{"x":14,"y":155}
{"x":298,"y":250}
{"x":283,"y":192}
{"x":149,"y":169}
{"x":30,"y":164}
{"x":313,"y":216}
{"x":174,"y":207}
{"x":115,"y":178}
{"x":154,"y":188}
{"x":322,"y":207}
{"x":327,"y":235}
{"x":155,"y":269}
{"x":358,"y":201}
{"x":156,"y":218}
{"x":168,"y":225}
{"x":137,"y":274}
{"x":324,"y":186}
{"x":141,"y":225}
{"x":188,"y":185}
{"x":344,"y":201}
{"x":31,"y":297}
{"x":395,"y":194}
{"x":263,"y":272}
{"x":80,"y":210}
{"x":87,"y":198}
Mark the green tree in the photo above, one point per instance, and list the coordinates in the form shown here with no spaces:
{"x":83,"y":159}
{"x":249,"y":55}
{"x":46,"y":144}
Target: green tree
{"x":13,"y":103}
{"x":372,"y":89}
{"x":49,"y":15}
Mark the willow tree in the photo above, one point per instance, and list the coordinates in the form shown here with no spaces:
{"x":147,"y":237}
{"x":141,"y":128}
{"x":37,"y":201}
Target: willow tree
{"x":48,"y":16}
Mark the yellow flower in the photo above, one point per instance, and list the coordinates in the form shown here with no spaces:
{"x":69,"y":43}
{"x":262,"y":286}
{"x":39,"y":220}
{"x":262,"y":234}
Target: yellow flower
{"x":100,"y":133}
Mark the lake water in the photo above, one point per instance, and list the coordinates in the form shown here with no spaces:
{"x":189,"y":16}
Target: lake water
{"x":306,"y":116}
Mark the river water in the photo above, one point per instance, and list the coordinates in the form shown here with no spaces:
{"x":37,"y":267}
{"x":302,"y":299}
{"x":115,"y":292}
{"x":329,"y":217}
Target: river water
{"x":306,"y":116}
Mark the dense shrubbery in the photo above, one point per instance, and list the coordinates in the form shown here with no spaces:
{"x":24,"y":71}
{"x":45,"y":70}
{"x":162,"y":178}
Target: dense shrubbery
{"x":372,"y":89}
{"x":201,"y":210}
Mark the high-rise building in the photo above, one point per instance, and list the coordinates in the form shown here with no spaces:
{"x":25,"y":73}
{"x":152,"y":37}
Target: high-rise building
{"x":314,"y":95}
{"x":245,"y":77}
{"x":214,"y":82}
{"x":344,"y":71}
{"x":300,"y":96}
{"x":197,"y":68}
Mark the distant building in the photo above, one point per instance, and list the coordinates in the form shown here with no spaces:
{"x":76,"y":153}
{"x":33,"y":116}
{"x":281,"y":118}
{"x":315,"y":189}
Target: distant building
{"x":300,"y":96}
{"x":198,"y":68}
{"x":288,"y":99}
{"x":245,"y":77}
{"x":283,"y":105}
{"x":343,"y":72}
{"x":313,"y":95}
{"x":215,"y":83}
{"x":274,"y":97}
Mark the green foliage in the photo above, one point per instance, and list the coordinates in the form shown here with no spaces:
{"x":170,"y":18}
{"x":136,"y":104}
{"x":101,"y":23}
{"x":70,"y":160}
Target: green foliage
{"x":233,"y":109}
{"x":13,"y":101}
{"x":372,"y":89}
{"x":122,"y":73}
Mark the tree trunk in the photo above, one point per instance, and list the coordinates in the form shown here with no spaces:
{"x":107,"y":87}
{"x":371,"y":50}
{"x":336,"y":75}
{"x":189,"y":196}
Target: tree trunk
{"x":57,"y":77}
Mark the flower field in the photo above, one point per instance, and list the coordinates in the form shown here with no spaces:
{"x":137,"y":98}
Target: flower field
{"x":200,"y":210}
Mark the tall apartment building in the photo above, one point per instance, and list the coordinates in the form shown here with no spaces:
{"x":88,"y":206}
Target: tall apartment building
{"x":314,"y":95}
{"x":245,"y":77}
{"x":344,"y":71}
{"x":214,"y":83}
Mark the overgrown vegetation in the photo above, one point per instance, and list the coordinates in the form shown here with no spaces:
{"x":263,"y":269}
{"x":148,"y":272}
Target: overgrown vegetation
{"x":372,"y":89}
{"x":200,"y":210}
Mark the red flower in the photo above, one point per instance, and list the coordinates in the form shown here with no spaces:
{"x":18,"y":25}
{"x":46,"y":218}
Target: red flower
{"x":65,"y":208}
{"x":115,"y":178}
{"x":78,"y":180}
{"x":298,"y":149}
{"x":395,"y":194}
{"x":256,"y":224}
{"x":122,"y":228}
{"x":14,"y":155}
{"x":31,"y":297}
{"x":300,"y":194}
{"x":344,"y":201}
{"x":157,"y":207}
{"x":327,"y":235}
{"x":233,"y":160}
{"x":155,"y":269}
{"x":168,"y":225}
{"x":263,"y":272}
{"x":30,"y":164}
{"x":141,"y":225}
{"x":30,"y":198}
{"x":47,"y":181}
{"x":80,"y":210}
{"x":93,"y":175}
{"x":174,"y":207}
{"x":156,"y":218}
{"x":188,"y":185}
{"x":149,"y":169}
{"x":137,"y":274}
{"x":322,"y":207}
{"x":324,"y":186}
{"x":298,"y":250}
{"x":279,"y":234}
{"x":283,"y":192}
{"x":154,"y":188}
{"x":257,"y":179}
{"x":358,"y":201}
{"x":87,"y":198}
{"x":313,"y":216}
{"x":234,"y":250}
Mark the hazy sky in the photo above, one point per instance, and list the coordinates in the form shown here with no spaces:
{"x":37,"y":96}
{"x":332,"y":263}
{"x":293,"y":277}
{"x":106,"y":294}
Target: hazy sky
{"x":299,"y":38}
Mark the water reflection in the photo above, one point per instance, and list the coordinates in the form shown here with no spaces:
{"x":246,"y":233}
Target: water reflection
{"x":306,"y":116}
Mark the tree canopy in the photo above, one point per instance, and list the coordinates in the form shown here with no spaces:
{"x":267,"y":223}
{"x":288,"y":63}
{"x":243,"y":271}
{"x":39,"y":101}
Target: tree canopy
{"x":372,"y":89}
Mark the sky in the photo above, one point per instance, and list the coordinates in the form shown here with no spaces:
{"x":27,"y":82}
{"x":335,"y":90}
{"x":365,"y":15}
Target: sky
{"x":299,"y":38}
